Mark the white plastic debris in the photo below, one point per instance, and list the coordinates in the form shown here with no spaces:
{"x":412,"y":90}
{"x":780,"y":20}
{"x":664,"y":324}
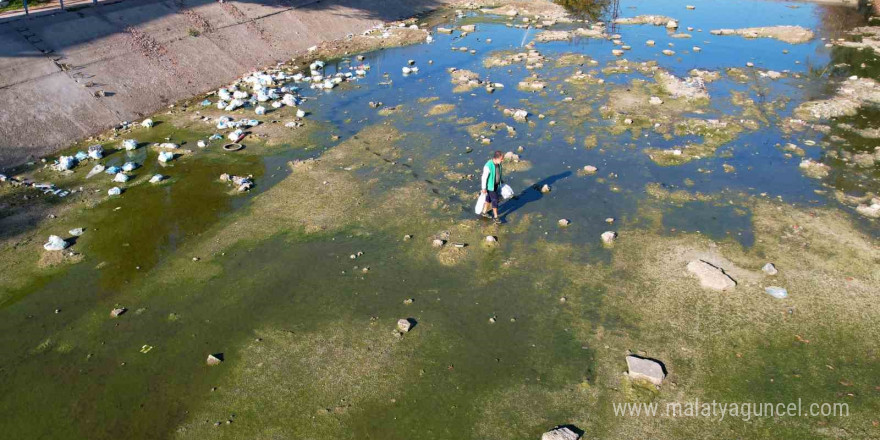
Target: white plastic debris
{"x":260,"y":110}
{"x":201,"y":144}
{"x":55,"y":243}
{"x":776,"y":292}
{"x":97,"y":169}
{"x":96,"y":152}
{"x":129,"y":166}
{"x":66,"y":163}
{"x":147,"y":123}
{"x":115,"y":191}
{"x":157,"y":178}
{"x":300,"y":114}
{"x":166,"y":156}
{"x":236,"y":135}
{"x":121,"y":178}
{"x":76,"y":232}
{"x":129,"y":144}
{"x":506,"y":191}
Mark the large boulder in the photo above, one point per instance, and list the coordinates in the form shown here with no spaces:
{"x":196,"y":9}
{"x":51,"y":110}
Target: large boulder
{"x":644,"y":368}
{"x":710,"y":276}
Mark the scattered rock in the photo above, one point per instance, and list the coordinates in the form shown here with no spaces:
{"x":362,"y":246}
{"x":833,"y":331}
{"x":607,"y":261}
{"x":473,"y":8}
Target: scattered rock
{"x":645,"y":368}
{"x":711,"y":276}
{"x":404,"y":325}
{"x":608,"y":237}
{"x":564,"y":222}
{"x":76,"y":232}
{"x":561,"y":433}
{"x":545,"y":189}
{"x":437,"y":243}
{"x":788,"y":34}
{"x":215,"y":359}
{"x":770,"y":269}
{"x":115,"y":313}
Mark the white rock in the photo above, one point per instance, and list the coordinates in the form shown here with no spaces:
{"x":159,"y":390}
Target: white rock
{"x":608,"y":237}
{"x":545,"y":188}
{"x":76,"y":232}
{"x":147,"y":123}
{"x":710,"y":276}
{"x":562,"y":433}
{"x":404,"y":325}
{"x":115,"y":191}
{"x":490,"y":239}
{"x":157,"y":178}
{"x":564,"y":222}
{"x":55,"y":243}
{"x":647,"y":369}
{"x":121,"y":178}
{"x":438,"y":243}
{"x":770,"y":269}
{"x":130,"y":144}
{"x":590,"y":169}
{"x":776,"y":292}
{"x":672,"y":24}
{"x":166,"y":156}
{"x":655,"y":101}
{"x":300,"y":114}
{"x":213,"y":360}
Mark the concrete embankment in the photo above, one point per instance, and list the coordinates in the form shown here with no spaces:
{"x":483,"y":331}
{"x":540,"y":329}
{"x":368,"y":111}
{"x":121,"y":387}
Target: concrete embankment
{"x":66,"y":76}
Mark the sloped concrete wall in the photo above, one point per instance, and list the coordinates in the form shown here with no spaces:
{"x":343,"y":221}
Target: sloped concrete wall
{"x":142,"y":54}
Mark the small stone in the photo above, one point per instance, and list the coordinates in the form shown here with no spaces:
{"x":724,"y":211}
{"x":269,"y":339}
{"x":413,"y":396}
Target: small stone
{"x":492,"y":320}
{"x":408,"y":301}
{"x":76,"y":232}
{"x":650,"y":42}
{"x":608,"y":237}
{"x":645,"y":368}
{"x":407,"y":237}
{"x":404,"y":325}
{"x":609,"y":220}
{"x":214,"y":359}
{"x":490,"y":239}
{"x":770,"y":269}
{"x":564,"y":222}
{"x":563,"y":299}
{"x":655,"y":101}
{"x":561,"y":433}
{"x":672,"y":24}
{"x":668,"y":52}
{"x":438,"y":243}
{"x":590,"y":169}
{"x":118,"y":311}
{"x":545,"y":189}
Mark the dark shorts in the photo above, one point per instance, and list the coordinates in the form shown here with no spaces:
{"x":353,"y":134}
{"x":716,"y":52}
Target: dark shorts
{"x":494,"y":197}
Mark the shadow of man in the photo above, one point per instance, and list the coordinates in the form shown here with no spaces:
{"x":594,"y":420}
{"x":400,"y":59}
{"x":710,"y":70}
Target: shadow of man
{"x":529,"y":195}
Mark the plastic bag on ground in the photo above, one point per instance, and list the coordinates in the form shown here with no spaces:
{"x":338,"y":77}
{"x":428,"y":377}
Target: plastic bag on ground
{"x":481,"y":202}
{"x":506,"y":191}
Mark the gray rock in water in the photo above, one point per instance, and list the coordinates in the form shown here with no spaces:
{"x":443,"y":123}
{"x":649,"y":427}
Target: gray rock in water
{"x":711,"y":277}
{"x":644,"y":368}
{"x":770,"y":269}
{"x":561,"y":433}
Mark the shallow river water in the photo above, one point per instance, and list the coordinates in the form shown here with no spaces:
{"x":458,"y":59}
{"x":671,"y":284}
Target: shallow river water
{"x":508,"y":344}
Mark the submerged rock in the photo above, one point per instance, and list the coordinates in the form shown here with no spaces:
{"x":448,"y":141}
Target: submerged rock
{"x":788,"y":34}
{"x":710,"y":276}
{"x":561,"y":433}
{"x":645,"y":368}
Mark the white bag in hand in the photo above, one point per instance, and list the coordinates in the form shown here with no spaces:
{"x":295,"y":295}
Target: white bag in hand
{"x":506,"y":191}
{"x":481,"y":202}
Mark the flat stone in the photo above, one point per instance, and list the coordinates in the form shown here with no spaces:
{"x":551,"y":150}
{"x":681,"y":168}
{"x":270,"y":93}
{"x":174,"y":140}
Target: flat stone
{"x":214,"y":359}
{"x":644,"y":368}
{"x":710,"y":276}
{"x":561,"y":433}
{"x":608,"y":237}
{"x":770,"y":269}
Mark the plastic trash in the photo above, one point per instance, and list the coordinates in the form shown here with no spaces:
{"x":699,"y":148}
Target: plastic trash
{"x":157,"y":178}
{"x":96,"y":152}
{"x":236,"y":135}
{"x":55,"y":243}
{"x":221,"y":104}
{"x":224,"y":94}
{"x":289,"y":100}
{"x":506,"y":191}
{"x":129,"y":166}
{"x":121,"y":178}
{"x":253,"y":122}
{"x":166,"y":156}
{"x":776,"y":292}
{"x":201,"y":144}
{"x":129,"y":144}
{"x":260,"y":110}
{"x":277,"y":104}
{"x":481,"y":202}
{"x":147,"y":123}
{"x":97,"y":169}
{"x":76,"y":232}
{"x":115,"y":191}
{"x":66,"y":162}
{"x":206,"y":103}
{"x":300,"y":114}
{"x":81,"y":156}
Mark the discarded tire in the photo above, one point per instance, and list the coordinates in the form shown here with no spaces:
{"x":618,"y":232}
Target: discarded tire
{"x":233,"y":147}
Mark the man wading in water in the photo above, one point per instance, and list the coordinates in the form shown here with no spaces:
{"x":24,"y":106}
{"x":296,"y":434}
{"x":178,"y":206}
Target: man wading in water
{"x":491,"y":184}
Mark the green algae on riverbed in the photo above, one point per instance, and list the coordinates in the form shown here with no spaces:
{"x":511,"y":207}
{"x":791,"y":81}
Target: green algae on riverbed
{"x":299,"y":284}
